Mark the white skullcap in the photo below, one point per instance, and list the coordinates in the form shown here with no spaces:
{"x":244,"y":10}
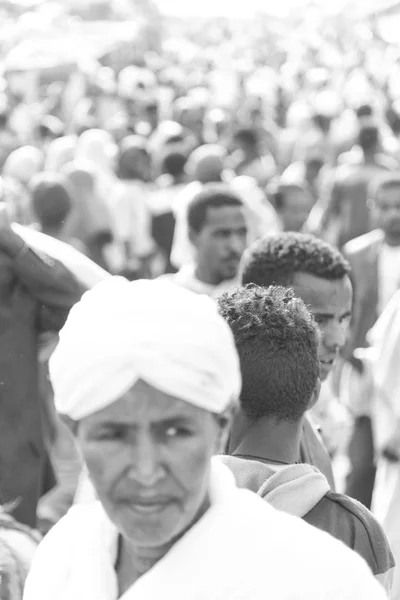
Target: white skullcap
{"x":155,"y":331}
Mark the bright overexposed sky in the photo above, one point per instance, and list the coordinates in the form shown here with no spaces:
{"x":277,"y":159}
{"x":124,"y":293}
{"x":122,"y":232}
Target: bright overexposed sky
{"x":238,"y":8}
{"x":235,"y":8}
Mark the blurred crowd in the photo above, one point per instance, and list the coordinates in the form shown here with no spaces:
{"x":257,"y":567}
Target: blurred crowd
{"x":299,"y":121}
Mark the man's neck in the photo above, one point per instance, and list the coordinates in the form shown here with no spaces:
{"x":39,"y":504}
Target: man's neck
{"x":54,"y":232}
{"x":205,"y":276}
{"x":272,"y":441}
{"x":392,"y":241}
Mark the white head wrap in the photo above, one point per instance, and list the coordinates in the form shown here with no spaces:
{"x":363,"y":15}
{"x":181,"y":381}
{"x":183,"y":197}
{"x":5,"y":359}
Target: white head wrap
{"x":121,"y":332}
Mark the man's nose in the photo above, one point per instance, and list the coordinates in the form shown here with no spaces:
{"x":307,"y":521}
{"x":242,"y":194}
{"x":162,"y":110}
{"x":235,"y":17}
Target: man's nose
{"x":236,"y":244}
{"x":334,"y":336}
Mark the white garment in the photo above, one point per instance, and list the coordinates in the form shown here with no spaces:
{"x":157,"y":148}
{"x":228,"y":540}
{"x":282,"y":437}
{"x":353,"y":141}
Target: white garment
{"x":389,"y":274}
{"x":381,"y":383}
{"x":241,"y":549}
{"x":187,"y":279}
{"x":123,"y":331}
{"x":128,"y":205}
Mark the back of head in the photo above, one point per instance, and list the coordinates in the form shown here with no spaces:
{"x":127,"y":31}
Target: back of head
{"x":246,"y":137}
{"x":98,"y":147}
{"x":211,"y":196}
{"x":206,"y":163}
{"x":80,"y":175}
{"x":368,"y":138}
{"x":364,"y":110}
{"x":51,"y":200}
{"x":277,"y":341}
{"x":60,"y":152}
{"x":23,"y":163}
{"x":174,"y":163}
{"x":132,"y":157}
{"x":275,"y":259}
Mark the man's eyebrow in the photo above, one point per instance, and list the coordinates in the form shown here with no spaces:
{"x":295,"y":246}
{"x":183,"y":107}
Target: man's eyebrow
{"x":348,"y":313}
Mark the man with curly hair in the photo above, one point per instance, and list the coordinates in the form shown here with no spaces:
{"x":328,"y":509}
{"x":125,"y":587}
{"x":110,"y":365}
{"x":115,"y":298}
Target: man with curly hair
{"x":319,"y":275}
{"x":277,"y":341}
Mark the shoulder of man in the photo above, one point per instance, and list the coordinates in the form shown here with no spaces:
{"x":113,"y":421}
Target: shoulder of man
{"x":362,"y":243}
{"x":353,"y":524}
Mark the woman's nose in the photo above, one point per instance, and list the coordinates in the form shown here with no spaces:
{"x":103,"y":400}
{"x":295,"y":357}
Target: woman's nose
{"x":146,"y":468}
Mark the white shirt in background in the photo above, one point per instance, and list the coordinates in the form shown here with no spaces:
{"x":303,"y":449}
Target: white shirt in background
{"x":131,"y":224}
{"x":388,"y":274}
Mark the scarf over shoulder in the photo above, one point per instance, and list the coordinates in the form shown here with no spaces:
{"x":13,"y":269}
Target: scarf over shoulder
{"x":241,"y":549}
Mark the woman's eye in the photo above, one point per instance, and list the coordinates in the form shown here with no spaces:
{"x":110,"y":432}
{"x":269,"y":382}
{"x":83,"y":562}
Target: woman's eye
{"x":174,"y":432}
{"x":111,"y":435}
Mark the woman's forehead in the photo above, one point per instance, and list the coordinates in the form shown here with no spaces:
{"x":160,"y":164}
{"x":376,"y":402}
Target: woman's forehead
{"x":145,"y":403}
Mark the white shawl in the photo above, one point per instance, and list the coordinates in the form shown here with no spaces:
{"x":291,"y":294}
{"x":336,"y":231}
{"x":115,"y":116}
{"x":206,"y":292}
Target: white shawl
{"x":241,"y":549}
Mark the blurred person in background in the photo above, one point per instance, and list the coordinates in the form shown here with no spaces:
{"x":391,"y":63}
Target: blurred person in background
{"x":38,"y":293}
{"x":190,"y":114}
{"x":23,"y":164}
{"x":375,"y":263}
{"x":162,"y":201}
{"x":218,"y":233}
{"x":91,"y":220}
{"x":52,"y":208}
{"x":49,"y":129}
{"x":309,"y":168}
{"x":98,"y":148}
{"x":60,"y":153}
{"x":292,"y":203}
{"x":346,"y":215}
{"x":248,"y":160}
{"x":205,"y":165}
{"x":8,"y":138}
{"x":129,"y":206}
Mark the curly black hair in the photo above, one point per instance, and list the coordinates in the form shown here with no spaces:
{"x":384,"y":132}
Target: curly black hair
{"x":277,"y":342}
{"x":274,"y":260}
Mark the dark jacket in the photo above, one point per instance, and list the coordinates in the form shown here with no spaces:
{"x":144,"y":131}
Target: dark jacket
{"x":36,"y":294}
{"x":303,"y":491}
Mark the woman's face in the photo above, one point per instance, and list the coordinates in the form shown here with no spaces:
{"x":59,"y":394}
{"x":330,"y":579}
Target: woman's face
{"x":148,"y":456}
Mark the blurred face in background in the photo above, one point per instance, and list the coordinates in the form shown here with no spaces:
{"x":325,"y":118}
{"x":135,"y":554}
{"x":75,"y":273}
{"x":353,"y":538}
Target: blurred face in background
{"x":220,"y":244}
{"x":295,"y":208}
{"x":386,"y":213}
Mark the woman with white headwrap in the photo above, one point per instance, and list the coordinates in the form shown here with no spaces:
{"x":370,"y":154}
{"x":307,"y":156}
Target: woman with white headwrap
{"x":148,"y":375}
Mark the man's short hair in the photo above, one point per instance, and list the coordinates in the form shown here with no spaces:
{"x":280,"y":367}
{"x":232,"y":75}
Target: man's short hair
{"x":278,"y":193}
{"x":50,"y":199}
{"x":174,"y":163}
{"x":246,"y":136}
{"x":212,"y":196}
{"x":275,"y":259}
{"x":277,"y":342}
{"x":381,"y":184}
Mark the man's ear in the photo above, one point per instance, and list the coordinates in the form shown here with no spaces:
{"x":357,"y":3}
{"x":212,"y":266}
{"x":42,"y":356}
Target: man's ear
{"x":225,"y":421}
{"x":315,"y":395}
